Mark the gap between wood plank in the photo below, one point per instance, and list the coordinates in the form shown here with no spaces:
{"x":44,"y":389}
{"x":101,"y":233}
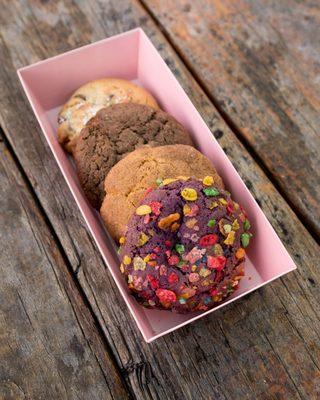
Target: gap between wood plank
{"x":72,"y":273}
{"x":231,"y":124}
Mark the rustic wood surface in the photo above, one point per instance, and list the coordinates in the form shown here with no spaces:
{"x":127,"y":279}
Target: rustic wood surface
{"x":49,"y":344}
{"x":259,"y":61}
{"x":265,"y":346}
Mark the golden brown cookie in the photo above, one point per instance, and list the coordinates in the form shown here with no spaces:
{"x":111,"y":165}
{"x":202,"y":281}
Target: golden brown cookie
{"x":90,"y":98}
{"x":114,"y":132}
{"x":128,"y":181}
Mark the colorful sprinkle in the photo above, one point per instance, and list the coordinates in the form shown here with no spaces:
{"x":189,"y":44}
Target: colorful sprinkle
{"x":194,"y":255}
{"x":207,"y":300}
{"x":211,"y":223}
{"x":173,"y":260}
{"x":167,"y":181}
{"x":204,"y":272}
{"x":208,"y":240}
{"x":143,"y":239}
{"x":222,"y":224}
{"x":173,"y":278}
{"x":245,"y":239}
{"x":188,"y":292}
{"x":189,"y":194}
{"x":211,"y":192}
{"x":223,"y":201}
{"x":184,"y":267}
{"x":218,"y":250}
{"x":230,"y":238}
{"x":179,"y":248}
{"x":242,"y":217}
{"x":122,"y":240}
{"x":190,"y":223}
{"x":156,"y":207}
{"x":246,"y":225}
{"x":126,"y":260}
{"x":159,"y":181}
{"x":166,"y":296}
{"x":154,"y":283}
{"x":213,"y":205}
{"x":186,"y":209}
{"x":217,"y":263}
{"x":235,"y":225}
{"x":214,"y":292}
{"x":208,"y":181}
{"x":165,"y":222}
{"x":194,"y":237}
{"x":152,"y":263}
{"x":194,"y":277}
{"x":143,"y":210}
{"x":174,"y":227}
{"x":240,"y":253}
{"x":138,"y":264}
{"x":194,"y":210}
{"x":163,"y":270}
{"x":230,"y":207}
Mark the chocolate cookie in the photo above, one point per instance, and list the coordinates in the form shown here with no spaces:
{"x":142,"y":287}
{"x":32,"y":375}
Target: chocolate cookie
{"x":116,"y":131}
{"x":127,"y":182}
{"x":185,"y":247}
{"x":90,"y":98}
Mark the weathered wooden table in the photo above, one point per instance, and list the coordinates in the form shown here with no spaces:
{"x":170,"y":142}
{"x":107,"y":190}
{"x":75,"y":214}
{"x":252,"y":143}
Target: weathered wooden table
{"x":252,"y":68}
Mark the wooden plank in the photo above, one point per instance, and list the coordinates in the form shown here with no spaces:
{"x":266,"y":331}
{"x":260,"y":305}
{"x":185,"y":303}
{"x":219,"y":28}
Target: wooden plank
{"x":259,"y":62}
{"x":265,"y":346}
{"x":49,"y":344}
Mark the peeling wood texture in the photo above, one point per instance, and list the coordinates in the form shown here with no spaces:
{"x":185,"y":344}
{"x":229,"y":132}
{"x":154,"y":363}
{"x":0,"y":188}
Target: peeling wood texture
{"x":265,"y":346}
{"x":259,"y":61}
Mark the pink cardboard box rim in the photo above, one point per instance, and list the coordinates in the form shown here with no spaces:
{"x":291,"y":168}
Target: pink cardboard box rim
{"x":131,"y":55}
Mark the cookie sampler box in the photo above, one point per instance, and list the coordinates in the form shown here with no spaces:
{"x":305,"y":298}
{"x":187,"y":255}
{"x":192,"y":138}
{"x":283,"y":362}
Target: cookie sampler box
{"x":131,"y":55}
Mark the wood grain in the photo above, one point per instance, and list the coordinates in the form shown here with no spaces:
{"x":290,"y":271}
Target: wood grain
{"x":48,"y":341}
{"x":265,"y":346}
{"x":259,"y":62}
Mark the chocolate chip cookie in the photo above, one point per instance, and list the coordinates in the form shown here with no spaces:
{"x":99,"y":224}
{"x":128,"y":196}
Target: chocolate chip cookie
{"x":90,"y":98}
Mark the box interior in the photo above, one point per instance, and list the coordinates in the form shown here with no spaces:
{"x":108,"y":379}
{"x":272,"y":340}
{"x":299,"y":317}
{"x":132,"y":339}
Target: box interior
{"x":50,"y":83}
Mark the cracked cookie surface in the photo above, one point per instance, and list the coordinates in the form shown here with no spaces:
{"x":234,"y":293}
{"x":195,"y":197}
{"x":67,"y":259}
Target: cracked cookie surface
{"x":116,"y":131}
{"x":92,"y":97}
{"x":128,"y":181}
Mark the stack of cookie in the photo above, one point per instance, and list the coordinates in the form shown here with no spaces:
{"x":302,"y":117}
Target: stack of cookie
{"x":182,"y":237}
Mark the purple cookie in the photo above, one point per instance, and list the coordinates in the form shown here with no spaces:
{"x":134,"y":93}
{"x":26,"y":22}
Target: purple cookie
{"x":184,"y":246}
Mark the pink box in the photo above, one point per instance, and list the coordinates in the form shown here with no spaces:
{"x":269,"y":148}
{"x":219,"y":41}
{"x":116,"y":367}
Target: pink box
{"x":131,"y":55}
